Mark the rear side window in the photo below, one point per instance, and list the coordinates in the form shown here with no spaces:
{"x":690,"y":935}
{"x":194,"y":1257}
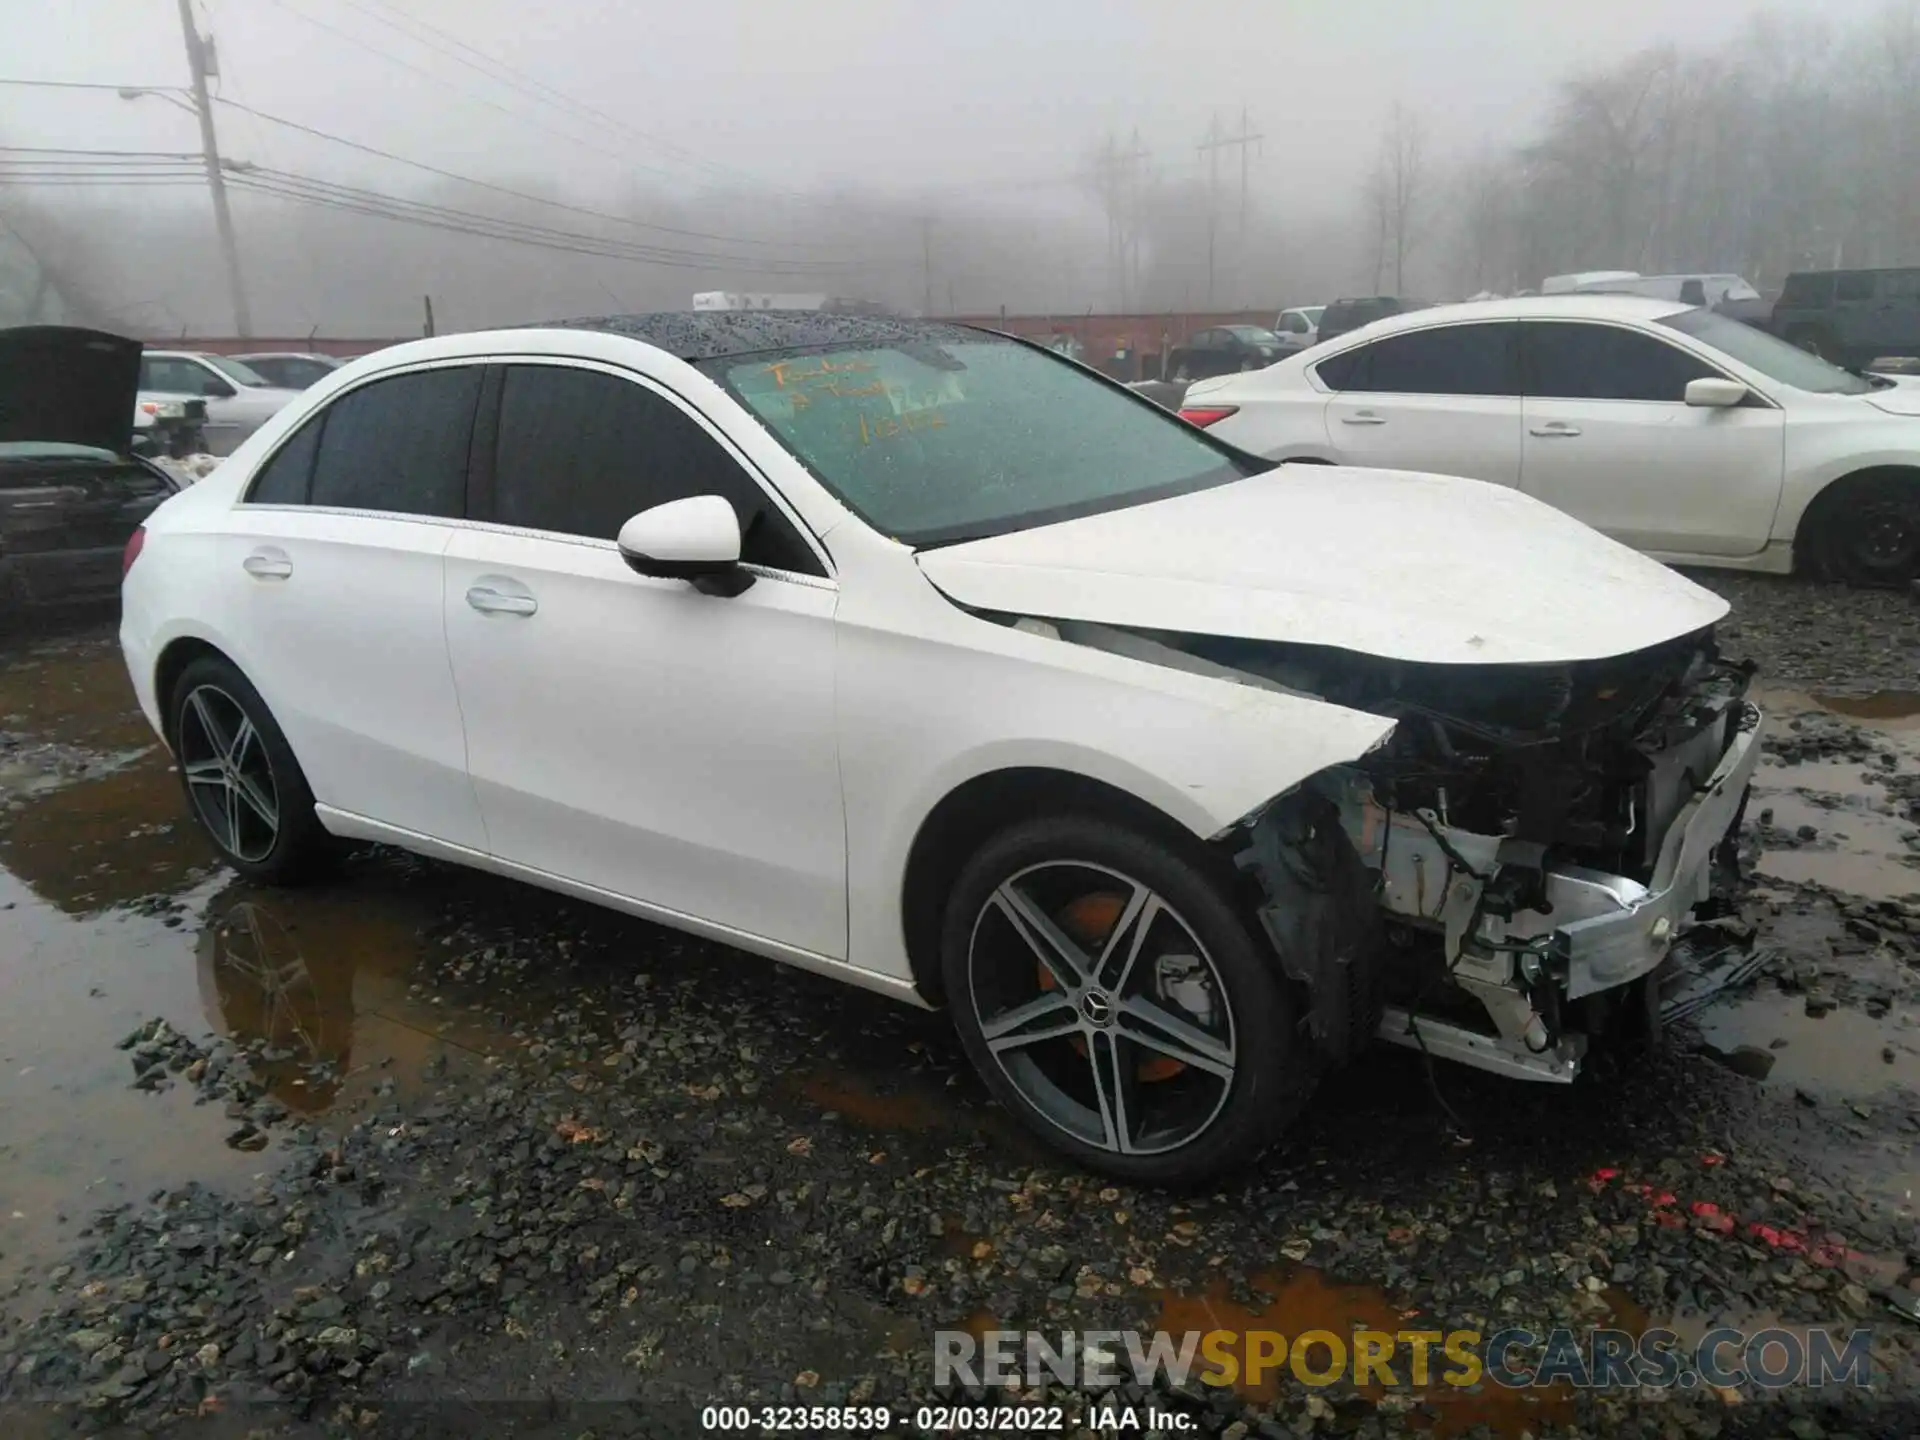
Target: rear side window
{"x":1447,"y":360}
{"x":399,"y":445}
{"x":283,"y":480}
{"x":581,"y":452}
{"x":1568,"y":361}
{"x":1854,"y":285}
{"x":1809,"y":291}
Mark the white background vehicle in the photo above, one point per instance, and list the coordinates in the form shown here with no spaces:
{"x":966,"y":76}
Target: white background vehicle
{"x":921,"y":658}
{"x":290,"y":370}
{"x":1300,"y":327}
{"x":1678,"y":431}
{"x":238,"y":400}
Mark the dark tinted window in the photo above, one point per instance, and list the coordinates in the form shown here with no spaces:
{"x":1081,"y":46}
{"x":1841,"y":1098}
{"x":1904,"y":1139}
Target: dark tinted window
{"x":1900,"y":285}
{"x":400,"y":444}
{"x":582,"y":452}
{"x":1853,"y":285}
{"x":1810,"y":290}
{"x":1341,"y":372}
{"x":1448,"y":360}
{"x":1602,"y":362}
{"x":283,"y":479}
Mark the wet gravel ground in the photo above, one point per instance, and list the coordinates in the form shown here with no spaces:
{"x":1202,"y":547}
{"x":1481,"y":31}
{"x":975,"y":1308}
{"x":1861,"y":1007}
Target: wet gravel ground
{"x":418,"y":1152}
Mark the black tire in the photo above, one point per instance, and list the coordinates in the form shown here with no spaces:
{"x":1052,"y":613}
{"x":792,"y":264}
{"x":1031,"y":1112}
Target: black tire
{"x":1273,"y":1067}
{"x":1869,"y":533}
{"x":297,"y":847}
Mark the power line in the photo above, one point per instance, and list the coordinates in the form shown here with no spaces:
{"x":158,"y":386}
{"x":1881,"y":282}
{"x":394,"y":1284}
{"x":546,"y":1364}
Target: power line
{"x":304,"y":189}
{"x":86,"y":85}
{"x":505,"y":190}
{"x":524,"y":226}
{"x":626,"y":160}
{"x":525,"y":84}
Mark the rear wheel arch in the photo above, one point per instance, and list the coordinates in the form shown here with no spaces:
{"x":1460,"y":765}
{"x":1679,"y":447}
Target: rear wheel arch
{"x":174,"y":658}
{"x":1817,"y":536}
{"x":983,"y":806}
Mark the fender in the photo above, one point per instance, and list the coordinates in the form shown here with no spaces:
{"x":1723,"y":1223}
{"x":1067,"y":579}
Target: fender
{"x":1204,"y":751}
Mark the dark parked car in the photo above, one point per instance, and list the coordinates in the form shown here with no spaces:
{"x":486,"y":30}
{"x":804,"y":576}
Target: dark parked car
{"x":1851,"y":317}
{"x":290,"y":371}
{"x":1351,"y":313}
{"x":1225,"y":350}
{"x":72,"y":492}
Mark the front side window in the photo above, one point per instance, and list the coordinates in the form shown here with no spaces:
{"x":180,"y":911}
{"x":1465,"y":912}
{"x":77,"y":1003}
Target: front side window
{"x":237,"y":372}
{"x":1294,"y":323}
{"x":1572,"y":361}
{"x":399,"y":444}
{"x":1769,"y":354}
{"x":1446,"y":360}
{"x":581,"y":452}
{"x":932,"y":442}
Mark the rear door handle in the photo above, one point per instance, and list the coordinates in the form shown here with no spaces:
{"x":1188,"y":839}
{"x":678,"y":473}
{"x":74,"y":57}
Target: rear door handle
{"x":1363,"y":417}
{"x":489,"y":601}
{"x":1554,"y":430}
{"x":268,"y":565}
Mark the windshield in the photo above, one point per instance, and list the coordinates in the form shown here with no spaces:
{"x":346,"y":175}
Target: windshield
{"x":934,"y":444}
{"x":236,"y":372}
{"x":1738,"y":289}
{"x":1254,"y":335}
{"x":1771,"y":356}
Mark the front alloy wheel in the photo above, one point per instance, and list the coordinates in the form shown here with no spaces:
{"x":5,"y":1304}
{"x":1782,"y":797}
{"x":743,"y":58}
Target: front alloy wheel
{"x":1106,"y":984}
{"x":1101,"y":1007}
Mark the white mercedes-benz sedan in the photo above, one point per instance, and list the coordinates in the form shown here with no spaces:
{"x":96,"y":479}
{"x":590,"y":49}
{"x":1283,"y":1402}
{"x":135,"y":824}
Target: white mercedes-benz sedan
{"x":1679,"y":431}
{"x":923,"y":658}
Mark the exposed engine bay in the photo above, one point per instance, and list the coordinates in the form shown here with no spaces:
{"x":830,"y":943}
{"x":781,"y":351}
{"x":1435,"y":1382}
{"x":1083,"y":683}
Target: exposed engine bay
{"x":1497,"y":880}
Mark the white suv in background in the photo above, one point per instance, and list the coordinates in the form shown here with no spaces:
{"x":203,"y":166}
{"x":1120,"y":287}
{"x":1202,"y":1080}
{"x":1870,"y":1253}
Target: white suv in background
{"x":239,"y":399}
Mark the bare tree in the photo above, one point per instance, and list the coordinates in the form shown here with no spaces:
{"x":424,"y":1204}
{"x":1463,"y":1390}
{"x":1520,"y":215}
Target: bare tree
{"x":1396,"y":196}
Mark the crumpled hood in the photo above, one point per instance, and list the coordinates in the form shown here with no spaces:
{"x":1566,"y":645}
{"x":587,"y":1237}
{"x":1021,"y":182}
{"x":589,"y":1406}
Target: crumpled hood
{"x":65,"y":384}
{"x":1383,"y":562}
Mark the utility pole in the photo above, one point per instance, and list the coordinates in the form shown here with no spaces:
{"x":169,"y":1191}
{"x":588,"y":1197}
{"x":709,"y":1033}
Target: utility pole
{"x":1211,"y":148}
{"x":216,"y":181}
{"x":1130,"y":161}
{"x":926,"y":265}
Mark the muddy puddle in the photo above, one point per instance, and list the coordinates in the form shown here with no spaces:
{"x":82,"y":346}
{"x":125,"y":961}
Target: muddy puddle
{"x":1833,"y":820}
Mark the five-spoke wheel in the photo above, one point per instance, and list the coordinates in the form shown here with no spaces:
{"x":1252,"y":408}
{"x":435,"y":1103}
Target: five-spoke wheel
{"x":242,"y":782}
{"x":1107,"y":987}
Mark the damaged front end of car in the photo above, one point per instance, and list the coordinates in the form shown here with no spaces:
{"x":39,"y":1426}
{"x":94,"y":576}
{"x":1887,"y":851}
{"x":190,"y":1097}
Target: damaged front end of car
{"x":1498,"y":880}
{"x":1537,"y":838}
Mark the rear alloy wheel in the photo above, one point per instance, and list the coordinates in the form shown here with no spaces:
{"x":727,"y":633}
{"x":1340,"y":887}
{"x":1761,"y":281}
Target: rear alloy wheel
{"x":241,"y":779}
{"x":1872,"y":537}
{"x":1112,"y":998}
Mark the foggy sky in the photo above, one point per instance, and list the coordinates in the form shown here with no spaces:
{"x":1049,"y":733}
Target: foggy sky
{"x":877,"y":94}
{"x":987,"y":106}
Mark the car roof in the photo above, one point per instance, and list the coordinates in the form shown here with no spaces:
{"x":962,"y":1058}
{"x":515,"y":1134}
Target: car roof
{"x":696,"y":335}
{"x":282,"y":355}
{"x":1573,"y":306}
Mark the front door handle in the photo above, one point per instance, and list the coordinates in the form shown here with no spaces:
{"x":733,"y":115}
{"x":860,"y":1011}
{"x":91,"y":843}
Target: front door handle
{"x":489,"y":601}
{"x":1363,"y":417}
{"x":267,"y":565}
{"x":1554,"y":430}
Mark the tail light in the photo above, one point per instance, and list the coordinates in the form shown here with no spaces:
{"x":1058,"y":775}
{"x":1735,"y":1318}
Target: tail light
{"x":135,"y":542}
{"x":1205,"y":415}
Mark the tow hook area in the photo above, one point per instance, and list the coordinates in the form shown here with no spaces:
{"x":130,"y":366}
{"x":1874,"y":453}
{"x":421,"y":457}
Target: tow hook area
{"x":1320,"y":914}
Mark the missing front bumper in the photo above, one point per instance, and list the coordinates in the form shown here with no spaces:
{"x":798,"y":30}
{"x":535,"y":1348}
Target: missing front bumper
{"x":1596,"y":933}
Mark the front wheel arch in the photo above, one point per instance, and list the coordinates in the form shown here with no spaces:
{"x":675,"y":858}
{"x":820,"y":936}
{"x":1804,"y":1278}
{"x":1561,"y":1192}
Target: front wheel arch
{"x":967,"y":816}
